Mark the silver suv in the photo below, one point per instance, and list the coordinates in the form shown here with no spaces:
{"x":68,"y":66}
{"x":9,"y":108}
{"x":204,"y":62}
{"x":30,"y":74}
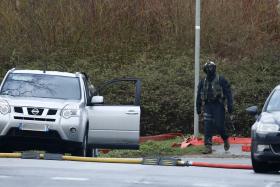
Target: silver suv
{"x":63,"y":112}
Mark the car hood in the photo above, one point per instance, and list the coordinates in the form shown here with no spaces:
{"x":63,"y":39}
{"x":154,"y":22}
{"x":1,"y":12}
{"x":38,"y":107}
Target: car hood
{"x":270,"y":117}
{"x":38,"y":102}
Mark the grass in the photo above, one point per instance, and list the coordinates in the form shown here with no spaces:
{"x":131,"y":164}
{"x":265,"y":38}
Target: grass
{"x":156,"y":148}
{"x":152,"y":149}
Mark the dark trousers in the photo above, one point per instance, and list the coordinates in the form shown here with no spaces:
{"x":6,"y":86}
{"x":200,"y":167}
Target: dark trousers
{"x":214,"y":120}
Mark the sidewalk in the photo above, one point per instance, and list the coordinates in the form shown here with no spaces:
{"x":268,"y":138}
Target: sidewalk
{"x":235,"y":151}
{"x":234,"y":156}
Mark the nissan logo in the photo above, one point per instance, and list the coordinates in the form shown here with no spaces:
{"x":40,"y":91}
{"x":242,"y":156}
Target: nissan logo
{"x":35,"y":111}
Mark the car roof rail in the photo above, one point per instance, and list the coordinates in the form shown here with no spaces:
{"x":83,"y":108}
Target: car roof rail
{"x":16,"y":68}
{"x":12,"y":70}
{"x":86,"y":75}
{"x":83,"y":74}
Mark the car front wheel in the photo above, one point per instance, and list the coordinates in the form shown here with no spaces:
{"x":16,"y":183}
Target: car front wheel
{"x":84,"y":150}
{"x":263,"y":167}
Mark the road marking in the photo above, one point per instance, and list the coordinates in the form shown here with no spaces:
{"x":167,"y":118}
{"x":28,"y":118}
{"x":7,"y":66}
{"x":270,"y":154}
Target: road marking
{"x":140,"y":182}
{"x":209,"y":185}
{"x":4,"y":176}
{"x":271,"y":184}
{"x":69,"y":179}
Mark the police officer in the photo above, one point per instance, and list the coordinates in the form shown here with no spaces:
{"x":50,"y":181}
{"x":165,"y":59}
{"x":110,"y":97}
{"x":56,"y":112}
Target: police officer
{"x":212,"y":93}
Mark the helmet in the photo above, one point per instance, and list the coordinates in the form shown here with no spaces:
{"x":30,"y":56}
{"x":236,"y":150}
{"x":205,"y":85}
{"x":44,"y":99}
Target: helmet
{"x":209,"y":67}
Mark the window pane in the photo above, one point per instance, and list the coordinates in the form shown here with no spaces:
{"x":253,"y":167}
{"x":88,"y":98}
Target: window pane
{"x":274,"y":102}
{"x":121,"y":93}
{"x":43,"y":86}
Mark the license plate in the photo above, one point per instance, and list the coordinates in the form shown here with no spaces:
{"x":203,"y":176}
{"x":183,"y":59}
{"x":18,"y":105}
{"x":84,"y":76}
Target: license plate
{"x":33,"y":127}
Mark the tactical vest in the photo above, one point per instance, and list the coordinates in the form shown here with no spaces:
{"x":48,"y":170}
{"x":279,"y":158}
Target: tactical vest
{"x":215,"y":88}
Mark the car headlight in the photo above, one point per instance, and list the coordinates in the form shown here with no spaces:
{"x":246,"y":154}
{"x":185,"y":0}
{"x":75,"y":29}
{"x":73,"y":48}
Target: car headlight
{"x":266,"y":128}
{"x":70,"y":111}
{"x":4,"y":107}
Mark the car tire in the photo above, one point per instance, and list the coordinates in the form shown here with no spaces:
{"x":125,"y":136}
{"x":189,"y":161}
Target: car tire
{"x":84,"y":150}
{"x":88,"y":149}
{"x":259,"y":167}
{"x":6,"y":148}
{"x":263,"y":167}
{"x":89,"y":152}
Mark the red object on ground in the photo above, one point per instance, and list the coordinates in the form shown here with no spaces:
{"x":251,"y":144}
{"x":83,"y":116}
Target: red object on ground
{"x":232,"y":140}
{"x":104,"y":151}
{"x":216,"y":139}
{"x":246,"y":148}
{"x":195,"y":141}
{"x":160,"y":137}
{"x":226,"y":166}
{"x":191,"y":141}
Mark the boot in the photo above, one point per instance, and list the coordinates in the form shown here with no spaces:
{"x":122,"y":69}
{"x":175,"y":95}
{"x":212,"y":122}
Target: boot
{"x":207,"y":149}
{"x":226,"y":145}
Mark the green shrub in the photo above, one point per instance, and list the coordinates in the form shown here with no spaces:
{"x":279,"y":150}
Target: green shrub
{"x":152,"y":40}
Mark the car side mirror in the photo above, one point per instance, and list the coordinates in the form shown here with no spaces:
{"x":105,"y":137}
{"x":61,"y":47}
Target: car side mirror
{"x":97,"y":100}
{"x":253,"y":111}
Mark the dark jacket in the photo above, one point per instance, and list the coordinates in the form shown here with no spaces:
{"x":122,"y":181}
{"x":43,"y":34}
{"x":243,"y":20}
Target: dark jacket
{"x":226,"y":93}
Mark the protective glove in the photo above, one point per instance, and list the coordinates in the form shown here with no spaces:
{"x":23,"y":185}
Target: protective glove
{"x":230,"y":109}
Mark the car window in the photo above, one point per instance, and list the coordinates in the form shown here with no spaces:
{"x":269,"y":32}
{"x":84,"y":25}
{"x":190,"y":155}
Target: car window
{"x":121,"y":93}
{"x":274,"y":102}
{"x":42,"y":86}
{"x":87,"y":90}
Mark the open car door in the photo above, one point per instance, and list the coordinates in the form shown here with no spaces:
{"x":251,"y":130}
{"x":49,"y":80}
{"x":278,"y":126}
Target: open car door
{"x":114,"y":117}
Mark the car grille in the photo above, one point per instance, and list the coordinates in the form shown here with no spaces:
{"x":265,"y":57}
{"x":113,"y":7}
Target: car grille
{"x":18,"y":109}
{"x":51,"y":112}
{"x":32,"y":111}
{"x":38,"y":110}
{"x":275,"y":148}
{"x":34,"y":119}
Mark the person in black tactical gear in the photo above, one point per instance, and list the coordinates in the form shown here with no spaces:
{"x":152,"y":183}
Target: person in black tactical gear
{"x":212,"y":93}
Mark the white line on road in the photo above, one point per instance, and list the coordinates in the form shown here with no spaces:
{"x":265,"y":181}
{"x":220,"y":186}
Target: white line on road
{"x":209,"y":185}
{"x":140,"y":182}
{"x":271,"y":184}
{"x":69,"y":178}
{"x":4,"y":176}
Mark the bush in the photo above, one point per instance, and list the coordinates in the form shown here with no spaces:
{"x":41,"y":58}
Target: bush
{"x":152,"y":40}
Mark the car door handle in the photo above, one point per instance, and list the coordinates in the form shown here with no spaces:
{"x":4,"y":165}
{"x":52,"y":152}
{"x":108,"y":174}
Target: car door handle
{"x":131,"y":112}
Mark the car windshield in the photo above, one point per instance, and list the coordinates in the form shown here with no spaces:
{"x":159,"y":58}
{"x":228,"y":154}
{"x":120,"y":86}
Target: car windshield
{"x":274,"y":102}
{"x":42,"y":86}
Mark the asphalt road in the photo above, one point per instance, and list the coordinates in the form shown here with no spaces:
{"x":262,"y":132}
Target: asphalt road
{"x":39,"y":173}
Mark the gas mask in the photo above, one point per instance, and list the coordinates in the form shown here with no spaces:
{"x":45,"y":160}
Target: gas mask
{"x":210,"y":70}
